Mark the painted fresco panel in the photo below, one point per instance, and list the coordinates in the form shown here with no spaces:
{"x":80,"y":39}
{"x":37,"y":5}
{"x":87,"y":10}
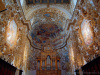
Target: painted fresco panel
{"x":86,"y":32}
{"x":11,"y":32}
{"x":43,"y":33}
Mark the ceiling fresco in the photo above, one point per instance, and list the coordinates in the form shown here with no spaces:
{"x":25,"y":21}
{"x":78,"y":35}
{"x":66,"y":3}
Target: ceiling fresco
{"x":51,"y":26}
{"x":41,"y":15}
{"x":45,"y":30}
{"x":48,"y":17}
{"x":45,"y":33}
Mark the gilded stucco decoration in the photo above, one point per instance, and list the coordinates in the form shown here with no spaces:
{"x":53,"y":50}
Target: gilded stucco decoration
{"x":86,"y":26}
{"x":13,"y":35}
{"x":79,"y":33}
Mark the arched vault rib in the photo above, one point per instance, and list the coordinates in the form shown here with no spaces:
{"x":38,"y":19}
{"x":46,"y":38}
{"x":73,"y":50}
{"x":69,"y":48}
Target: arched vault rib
{"x":31,"y":12}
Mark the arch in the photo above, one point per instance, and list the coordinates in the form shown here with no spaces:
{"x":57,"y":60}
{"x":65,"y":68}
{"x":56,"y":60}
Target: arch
{"x":32,"y":10}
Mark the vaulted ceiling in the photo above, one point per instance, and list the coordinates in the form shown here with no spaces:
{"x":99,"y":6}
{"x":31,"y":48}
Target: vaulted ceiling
{"x":48,"y":21}
{"x":50,"y":26}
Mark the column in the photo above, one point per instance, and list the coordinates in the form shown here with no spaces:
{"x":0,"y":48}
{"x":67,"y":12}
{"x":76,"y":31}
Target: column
{"x":55,"y":64}
{"x":41,"y":64}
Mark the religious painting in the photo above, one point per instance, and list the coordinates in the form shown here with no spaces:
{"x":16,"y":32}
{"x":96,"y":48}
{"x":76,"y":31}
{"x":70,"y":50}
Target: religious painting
{"x":11,"y":33}
{"x":86,"y":32}
{"x":43,"y":33}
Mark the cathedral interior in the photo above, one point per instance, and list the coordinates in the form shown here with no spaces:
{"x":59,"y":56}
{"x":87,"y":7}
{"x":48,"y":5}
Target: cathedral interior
{"x":49,"y":37}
